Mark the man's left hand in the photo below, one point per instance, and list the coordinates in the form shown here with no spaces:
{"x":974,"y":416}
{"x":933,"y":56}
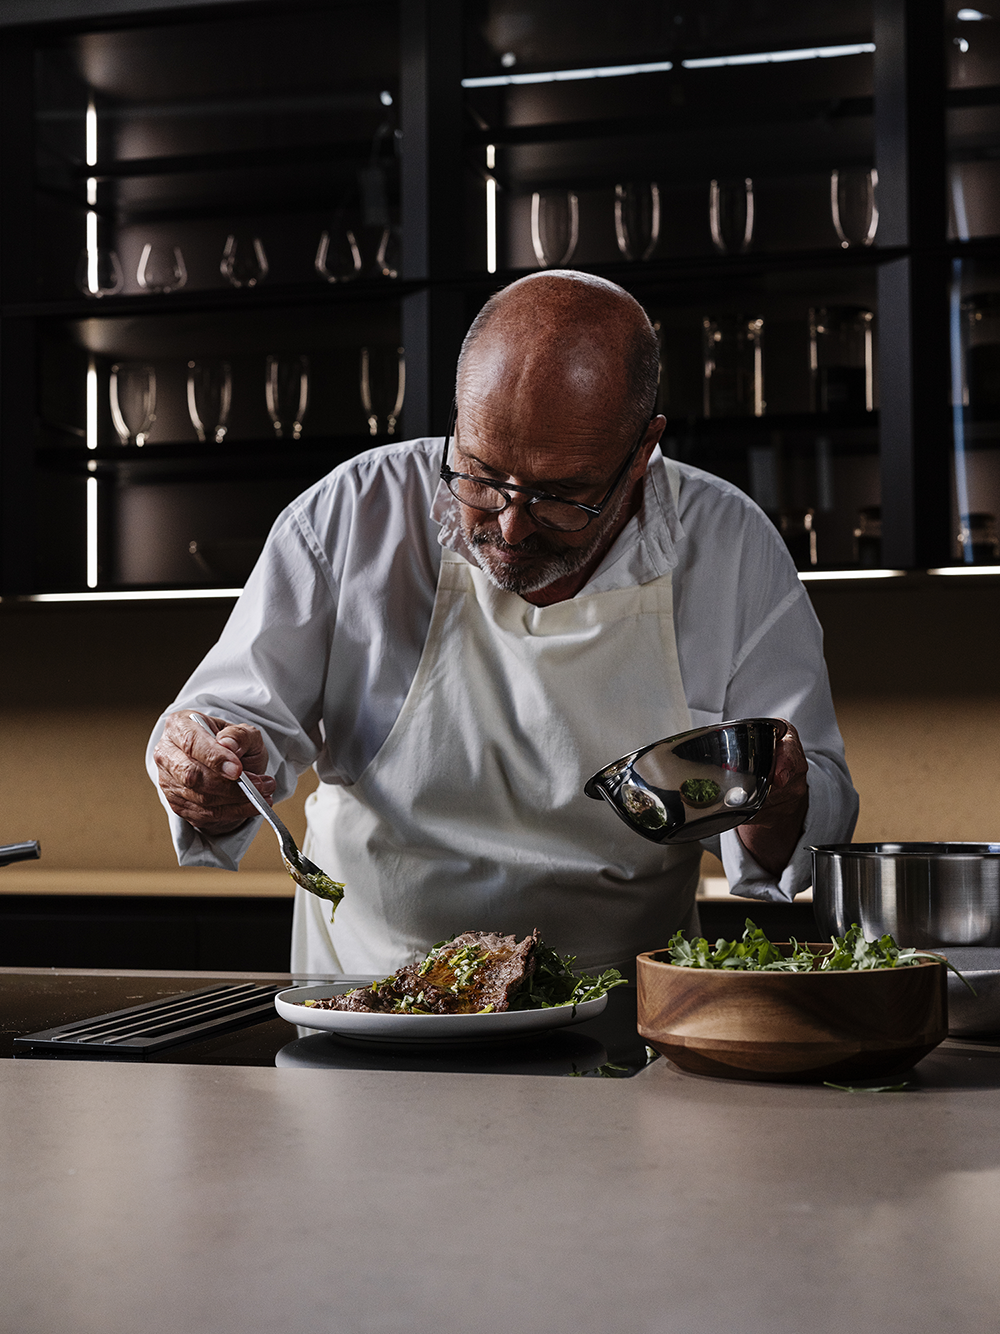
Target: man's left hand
{"x":771,"y":836}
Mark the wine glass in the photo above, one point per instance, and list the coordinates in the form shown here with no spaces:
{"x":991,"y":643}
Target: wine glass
{"x":387,"y":255}
{"x":730,"y":215}
{"x":637,"y":218}
{"x":132,"y":392}
{"x":383,"y":382}
{"x":99,"y":272}
{"x":338,"y":258}
{"x":286,"y":389}
{"x":555,"y":227}
{"x":209,"y":397}
{"x":853,"y":207}
{"x":244,"y":260}
{"x":161,"y":268}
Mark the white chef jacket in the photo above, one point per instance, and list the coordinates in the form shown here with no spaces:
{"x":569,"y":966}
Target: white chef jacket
{"x":322,"y":646}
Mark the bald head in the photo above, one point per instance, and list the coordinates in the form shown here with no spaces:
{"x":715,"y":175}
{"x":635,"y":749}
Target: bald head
{"x":563,"y":342}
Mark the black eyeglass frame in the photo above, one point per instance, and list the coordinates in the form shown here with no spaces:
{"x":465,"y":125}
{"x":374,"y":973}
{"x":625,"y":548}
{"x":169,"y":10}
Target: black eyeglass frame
{"x":592,"y":511}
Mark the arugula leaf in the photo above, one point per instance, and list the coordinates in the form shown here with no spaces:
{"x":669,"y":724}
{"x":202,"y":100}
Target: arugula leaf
{"x":554,"y":983}
{"x":755,"y":953}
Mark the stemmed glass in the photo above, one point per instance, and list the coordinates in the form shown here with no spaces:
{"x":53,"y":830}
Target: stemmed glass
{"x":338,"y":256}
{"x":244,"y":261}
{"x":383,"y":381}
{"x":637,"y":218}
{"x":555,"y":227}
{"x":209,"y":397}
{"x":286,"y":389}
{"x":853,"y":207}
{"x":387,"y":255}
{"x":161,"y":268}
{"x":132,"y":392}
{"x":99,"y":272}
{"x":730,"y":215}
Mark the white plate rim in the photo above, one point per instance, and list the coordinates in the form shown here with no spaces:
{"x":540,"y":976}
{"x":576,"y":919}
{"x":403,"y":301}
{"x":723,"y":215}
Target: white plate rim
{"x":426,"y":1027}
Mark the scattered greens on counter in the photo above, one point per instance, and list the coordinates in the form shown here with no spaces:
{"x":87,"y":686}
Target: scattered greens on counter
{"x":755,"y":953}
{"x":905,"y":1087}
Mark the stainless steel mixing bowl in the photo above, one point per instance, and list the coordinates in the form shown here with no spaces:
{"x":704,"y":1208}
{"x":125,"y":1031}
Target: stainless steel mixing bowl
{"x":971,"y":1013}
{"x":922,"y":894}
{"x":695,"y":784}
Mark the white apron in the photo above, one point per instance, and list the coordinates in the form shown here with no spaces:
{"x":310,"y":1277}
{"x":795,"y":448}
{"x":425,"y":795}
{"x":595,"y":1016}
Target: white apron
{"x":472,"y":816}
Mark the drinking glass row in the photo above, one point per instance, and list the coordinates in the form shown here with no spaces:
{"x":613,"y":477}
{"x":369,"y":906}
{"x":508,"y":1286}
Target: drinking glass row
{"x":132,"y":393}
{"x":244,"y":262}
{"x":555,"y":216}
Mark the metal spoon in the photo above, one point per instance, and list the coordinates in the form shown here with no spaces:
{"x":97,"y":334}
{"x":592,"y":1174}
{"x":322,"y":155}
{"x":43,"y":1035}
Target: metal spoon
{"x":299,"y":867}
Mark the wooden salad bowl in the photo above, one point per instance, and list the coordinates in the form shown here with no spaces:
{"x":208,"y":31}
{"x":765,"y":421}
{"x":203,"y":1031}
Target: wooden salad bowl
{"x":792,"y":1026}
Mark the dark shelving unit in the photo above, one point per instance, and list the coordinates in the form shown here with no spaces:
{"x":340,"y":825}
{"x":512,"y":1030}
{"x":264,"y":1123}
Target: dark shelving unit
{"x":252,"y":118}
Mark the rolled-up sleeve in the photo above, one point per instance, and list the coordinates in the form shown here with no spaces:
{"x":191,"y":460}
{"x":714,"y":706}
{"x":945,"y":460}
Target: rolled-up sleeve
{"x":267,"y":669}
{"x":783,"y":675}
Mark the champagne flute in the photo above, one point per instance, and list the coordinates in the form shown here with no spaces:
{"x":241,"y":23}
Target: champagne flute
{"x":286,"y":389}
{"x":555,"y":227}
{"x":637,"y":218}
{"x":853,"y":207}
{"x":161,"y":268}
{"x":132,"y":391}
{"x":244,"y":260}
{"x":209,"y":397}
{"x":383,"y":381}
{"x":730,"y":215}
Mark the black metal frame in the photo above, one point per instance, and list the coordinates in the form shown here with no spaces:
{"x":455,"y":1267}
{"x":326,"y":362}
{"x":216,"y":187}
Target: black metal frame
{"x":592,"y":511}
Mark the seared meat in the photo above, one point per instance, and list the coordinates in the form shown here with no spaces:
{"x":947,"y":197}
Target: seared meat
{"x":478,"y":970}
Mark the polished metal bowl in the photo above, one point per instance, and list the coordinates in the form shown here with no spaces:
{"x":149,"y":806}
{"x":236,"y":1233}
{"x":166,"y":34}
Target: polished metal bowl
{"x":922,"y":894}
{"x":975,"y":1012}
{"x":695,"y":784}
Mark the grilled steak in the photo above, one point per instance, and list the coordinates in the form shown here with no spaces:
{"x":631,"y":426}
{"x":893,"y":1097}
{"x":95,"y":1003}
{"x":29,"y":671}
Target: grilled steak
{"x":478,"y":970}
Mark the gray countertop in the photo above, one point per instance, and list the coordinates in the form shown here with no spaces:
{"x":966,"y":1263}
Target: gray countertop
{"x":175,"y":1199}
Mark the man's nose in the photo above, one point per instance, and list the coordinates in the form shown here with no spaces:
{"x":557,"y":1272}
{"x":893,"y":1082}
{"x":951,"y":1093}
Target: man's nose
{"x":516,"y":523}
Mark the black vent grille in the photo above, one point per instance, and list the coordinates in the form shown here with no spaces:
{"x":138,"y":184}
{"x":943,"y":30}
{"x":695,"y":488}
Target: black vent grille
{"x":144,"y":1029}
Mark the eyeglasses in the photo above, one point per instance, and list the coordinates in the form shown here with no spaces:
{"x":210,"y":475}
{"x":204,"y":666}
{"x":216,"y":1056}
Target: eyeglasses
{"x":548,"y":511}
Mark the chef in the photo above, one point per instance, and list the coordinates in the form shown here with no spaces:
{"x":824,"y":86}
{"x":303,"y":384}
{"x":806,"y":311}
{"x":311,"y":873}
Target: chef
{"x":457,"y":633}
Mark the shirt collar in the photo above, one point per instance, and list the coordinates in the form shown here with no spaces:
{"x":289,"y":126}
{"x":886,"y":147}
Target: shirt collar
{"x":645,"y":548}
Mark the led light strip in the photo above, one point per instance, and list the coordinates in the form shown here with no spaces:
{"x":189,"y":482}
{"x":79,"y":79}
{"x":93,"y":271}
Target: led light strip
{"x":781,"y":57}
{"x":807,"y":575}
{"x":658,"y":66}
{"x":134,"y":595}
{"x":566,"y":75}
{"x":966,"y":569}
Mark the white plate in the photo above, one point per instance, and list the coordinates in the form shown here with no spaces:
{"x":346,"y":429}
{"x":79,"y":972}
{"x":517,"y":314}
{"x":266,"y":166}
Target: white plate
{"x":425,"y":1027}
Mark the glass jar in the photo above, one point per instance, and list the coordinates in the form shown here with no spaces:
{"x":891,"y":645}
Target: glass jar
{"x":841,"y":359}
{"x":733,"y":352}
{"x":798,"y":528}
{"x":979,"y":538}
{"x":981,"y":387}
{"x":868,"y":538}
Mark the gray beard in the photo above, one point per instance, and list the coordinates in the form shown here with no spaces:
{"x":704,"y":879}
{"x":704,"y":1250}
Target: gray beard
{"x":559,"y":566}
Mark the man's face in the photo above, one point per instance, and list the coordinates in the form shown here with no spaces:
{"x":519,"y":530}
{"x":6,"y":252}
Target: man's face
{"x":572,"y":458}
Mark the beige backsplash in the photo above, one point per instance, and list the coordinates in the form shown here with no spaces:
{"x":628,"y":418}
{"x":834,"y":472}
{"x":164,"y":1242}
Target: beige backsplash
{"x":914,"y":673}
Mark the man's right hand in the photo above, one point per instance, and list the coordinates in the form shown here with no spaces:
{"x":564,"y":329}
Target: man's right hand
{"x":198,"y":772}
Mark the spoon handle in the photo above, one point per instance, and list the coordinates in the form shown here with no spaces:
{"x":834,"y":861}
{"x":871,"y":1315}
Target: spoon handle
{"x":253,"y":796}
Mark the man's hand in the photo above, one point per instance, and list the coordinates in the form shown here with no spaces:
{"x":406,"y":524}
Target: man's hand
{"x":771,"y":836}
{"x":197,"y":772}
